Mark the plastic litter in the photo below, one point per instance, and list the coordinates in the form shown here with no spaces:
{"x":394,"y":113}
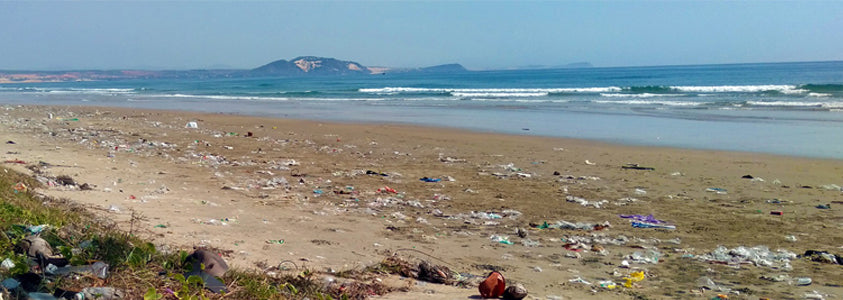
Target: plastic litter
{"x":370,"y":172}
{"x":759,"y":256}
{"x":387,"y":189}
{"x":214,"y":266}
{"x":493,"y":286}
{"x":831,"y":187}
{"x":648,"y":225}
{"x":10,"y":283}
{"x":501,"y":239}
{"x":814,"y":295}
{"x":7,"y":264}
{"x":99,"y":269}
{"x":192,"y":125}
{"x":637,"y":167}
{"x":579,"y":280}
{"x":608,"y":284}
{"x":574,"y":226}
{"x":427,"y":179}
{"x":101,"y":293}
{"x":649,"y":257}
{"x":706,"y":282}
{"x":802,"y":281}
{"x":40,"y":296}
{"x":823,"y":257}
{"x":719,"y":191}
{"x":648,"y":218}
{"x":20,"y":188}
{"x":632,"y":278}
{"x":586,"y":203}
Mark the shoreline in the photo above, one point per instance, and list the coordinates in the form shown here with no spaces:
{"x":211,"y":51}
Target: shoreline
{"x":184,"y":178}
{"x":693,"y":132}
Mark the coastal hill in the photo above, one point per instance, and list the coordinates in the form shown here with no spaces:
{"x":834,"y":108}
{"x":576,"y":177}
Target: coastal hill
{"x":299,"y":66}
{"x":310,"y":65}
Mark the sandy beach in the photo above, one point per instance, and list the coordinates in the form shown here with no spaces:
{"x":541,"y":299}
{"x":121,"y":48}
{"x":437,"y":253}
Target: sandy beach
{"x":334,"y":197}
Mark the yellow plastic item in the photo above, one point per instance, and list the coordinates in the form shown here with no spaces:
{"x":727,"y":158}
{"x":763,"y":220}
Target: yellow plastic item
{"x":633,"y":277}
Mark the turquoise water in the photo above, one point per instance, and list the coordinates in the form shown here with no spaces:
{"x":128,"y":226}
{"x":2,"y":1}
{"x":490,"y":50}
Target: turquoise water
{"x":783,"y":108}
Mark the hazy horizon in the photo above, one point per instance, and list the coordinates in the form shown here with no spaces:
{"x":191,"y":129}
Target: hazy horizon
{"x":185,"y":35}
{"x":530,"y":67}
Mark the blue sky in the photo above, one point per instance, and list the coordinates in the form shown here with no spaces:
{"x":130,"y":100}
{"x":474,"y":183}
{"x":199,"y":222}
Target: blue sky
{"x":46,"y":35}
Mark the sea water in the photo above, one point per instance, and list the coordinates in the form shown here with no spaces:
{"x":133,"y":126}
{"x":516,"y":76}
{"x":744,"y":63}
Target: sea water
{"x":779,"y":108}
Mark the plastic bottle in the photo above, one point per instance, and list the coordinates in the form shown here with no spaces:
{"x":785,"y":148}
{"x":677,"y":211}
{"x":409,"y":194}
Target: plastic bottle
{"x":40,"y":296}
{"x":99,"y":293}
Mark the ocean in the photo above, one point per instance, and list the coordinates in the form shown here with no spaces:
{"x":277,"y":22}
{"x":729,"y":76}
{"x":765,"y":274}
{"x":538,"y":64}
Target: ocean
{"x":791,"y":109}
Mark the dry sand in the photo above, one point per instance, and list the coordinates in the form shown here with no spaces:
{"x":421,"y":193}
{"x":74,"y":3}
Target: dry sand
{"x":215,"y":186}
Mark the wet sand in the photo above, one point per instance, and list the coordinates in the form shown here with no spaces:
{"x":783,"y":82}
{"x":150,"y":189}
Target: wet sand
{"x":272,"y":190}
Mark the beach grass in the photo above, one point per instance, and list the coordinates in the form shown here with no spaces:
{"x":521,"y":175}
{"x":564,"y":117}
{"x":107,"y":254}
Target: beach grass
{"x":135,"y":265}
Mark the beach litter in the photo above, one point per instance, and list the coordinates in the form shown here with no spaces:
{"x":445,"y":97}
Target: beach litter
{"x":20,"y":188}
{"x":637,"y":167}
{"x":803,"y":281}
{"x":719,"y":191}
{"x":823,"y":257}
{"x":428,"y":179}
{"x":98,"y":269}
{"x":637,"y":224}
{"x":102,"y":293}
{"x":814,"y":295}
{"x":208,"y":266}
{"x":579,"y":280}
{"x":648,"y":257}
{"x":501,"y":239}
{"x":648,"y":218}
{"x":370,"y":172}
{"x":572,"y":226}
{"x":760,"y":256}
{"x":515,"y":292}
{"x":707,"y":283}
{"x":7,"y":264}
{"x":831,"y":187}
{"x":607,"y":284}
{"x":632,"y":278}
{"x":586,"y":203}
{"x":640,"y":221}
{"x":493,"y":287}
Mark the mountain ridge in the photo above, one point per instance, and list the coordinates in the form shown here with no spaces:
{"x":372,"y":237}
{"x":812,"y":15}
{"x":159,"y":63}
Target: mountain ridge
{"x":301,"y":66}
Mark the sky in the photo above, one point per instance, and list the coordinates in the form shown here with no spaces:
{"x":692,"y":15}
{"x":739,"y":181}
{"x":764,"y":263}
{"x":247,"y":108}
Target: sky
{"x":481,"y":35}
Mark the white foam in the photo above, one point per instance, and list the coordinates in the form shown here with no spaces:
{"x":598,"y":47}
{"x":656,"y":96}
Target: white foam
{"x":797,"y":104}
{"x":644,"y":95}
{"x":650,"y":102}
{"x":89,"y":91}
{"x":398,"y":90}
{"x":256,"y":98}
{"x":220,"y":97}
{"x":497,"y":94}
{"x":785,"y":89}
{"x":819,"y":95}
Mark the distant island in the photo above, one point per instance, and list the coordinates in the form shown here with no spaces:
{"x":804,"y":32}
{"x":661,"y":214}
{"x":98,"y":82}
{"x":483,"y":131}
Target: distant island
{"x":297,"y":67}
